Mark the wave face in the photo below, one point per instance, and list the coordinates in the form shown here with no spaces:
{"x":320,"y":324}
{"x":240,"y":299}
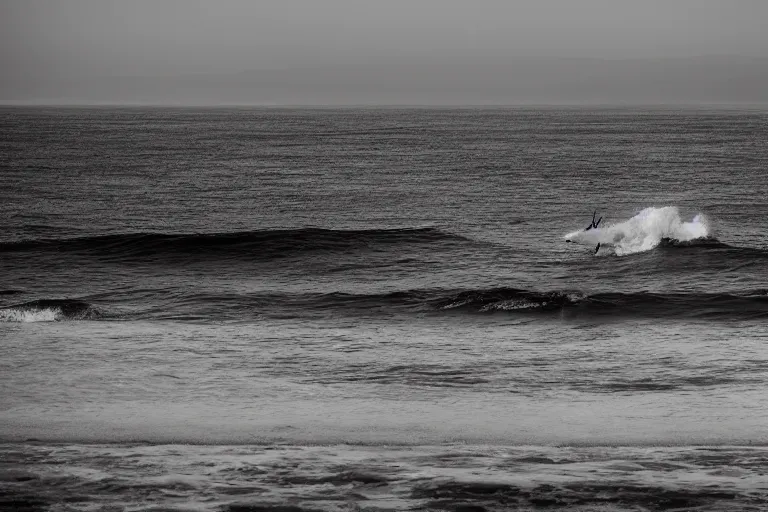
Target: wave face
{"x":751,"y":304}
{"x":748,"y":305}
{"x":645,"y":231}
{"x":48,"y":310}
{"x":258,"y":245}
{"x":506,"y":299}
{"x":491,"y":302}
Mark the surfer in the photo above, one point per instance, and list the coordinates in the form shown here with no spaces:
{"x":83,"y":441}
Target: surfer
{"x":594,"y":224}
{"x":581,"y":237}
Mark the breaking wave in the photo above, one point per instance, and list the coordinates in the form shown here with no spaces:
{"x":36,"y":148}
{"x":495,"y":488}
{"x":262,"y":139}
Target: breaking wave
{"x":261,"y":244}
{"x":48,"y":310}
{"x":646,"y":230}
{"x":507,"y":299}
{"x":750,"y":304}
{"x":746,"y":305}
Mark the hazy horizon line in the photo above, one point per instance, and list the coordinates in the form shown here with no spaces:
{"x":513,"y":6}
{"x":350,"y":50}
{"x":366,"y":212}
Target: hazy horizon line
{"x":468,"y":105}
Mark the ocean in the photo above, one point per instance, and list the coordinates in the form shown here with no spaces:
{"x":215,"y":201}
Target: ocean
{"x":297,"y":309}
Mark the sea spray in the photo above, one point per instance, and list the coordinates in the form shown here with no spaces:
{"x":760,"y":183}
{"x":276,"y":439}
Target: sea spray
{"x":48,"y":310}
{"x":644,"y":231}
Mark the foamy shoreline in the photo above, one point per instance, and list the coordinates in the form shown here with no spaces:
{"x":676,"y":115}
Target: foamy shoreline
{"x":343,"y":477}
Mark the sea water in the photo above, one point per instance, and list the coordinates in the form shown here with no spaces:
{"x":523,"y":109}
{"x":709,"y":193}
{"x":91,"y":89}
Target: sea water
{"x":377,"y":308}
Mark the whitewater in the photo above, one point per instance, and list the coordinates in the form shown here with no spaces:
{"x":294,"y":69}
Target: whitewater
{"x":644,"y":231}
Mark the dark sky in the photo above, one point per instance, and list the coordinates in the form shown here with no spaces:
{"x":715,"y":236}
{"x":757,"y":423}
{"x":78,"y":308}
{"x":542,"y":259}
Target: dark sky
{"x":47,"y":42}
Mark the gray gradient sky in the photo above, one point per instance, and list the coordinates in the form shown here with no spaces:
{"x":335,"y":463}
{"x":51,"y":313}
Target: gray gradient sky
{"x":52,"y":40}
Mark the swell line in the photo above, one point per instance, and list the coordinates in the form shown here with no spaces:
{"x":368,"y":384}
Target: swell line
{"x":260,"y":244}
{"x":747,"y":304}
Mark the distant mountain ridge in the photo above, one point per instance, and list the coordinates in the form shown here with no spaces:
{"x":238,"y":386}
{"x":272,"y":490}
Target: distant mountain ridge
{"x":468,"y":78}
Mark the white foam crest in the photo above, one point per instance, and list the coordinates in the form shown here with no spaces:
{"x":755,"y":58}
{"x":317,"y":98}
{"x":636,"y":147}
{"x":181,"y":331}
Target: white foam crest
{"x":30,"y":315}
{"x":458,"y":304}
{"x":511,"y":305}
{"x":644,"y":231}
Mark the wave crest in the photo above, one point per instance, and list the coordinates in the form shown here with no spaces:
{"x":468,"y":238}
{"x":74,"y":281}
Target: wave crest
{"x":708,"y":242}
{"x":261,"y":244}
{"x":744,"y":304}
{"x":645,"y":231}
{"x":507,"y":299}
{"x":48,"y":310}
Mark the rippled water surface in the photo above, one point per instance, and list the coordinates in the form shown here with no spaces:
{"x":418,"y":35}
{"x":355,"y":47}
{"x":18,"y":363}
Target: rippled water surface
{"x":385,"y":277}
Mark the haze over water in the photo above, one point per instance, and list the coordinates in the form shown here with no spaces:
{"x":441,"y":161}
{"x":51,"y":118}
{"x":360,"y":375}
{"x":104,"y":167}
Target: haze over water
{"x":345,"y":52}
